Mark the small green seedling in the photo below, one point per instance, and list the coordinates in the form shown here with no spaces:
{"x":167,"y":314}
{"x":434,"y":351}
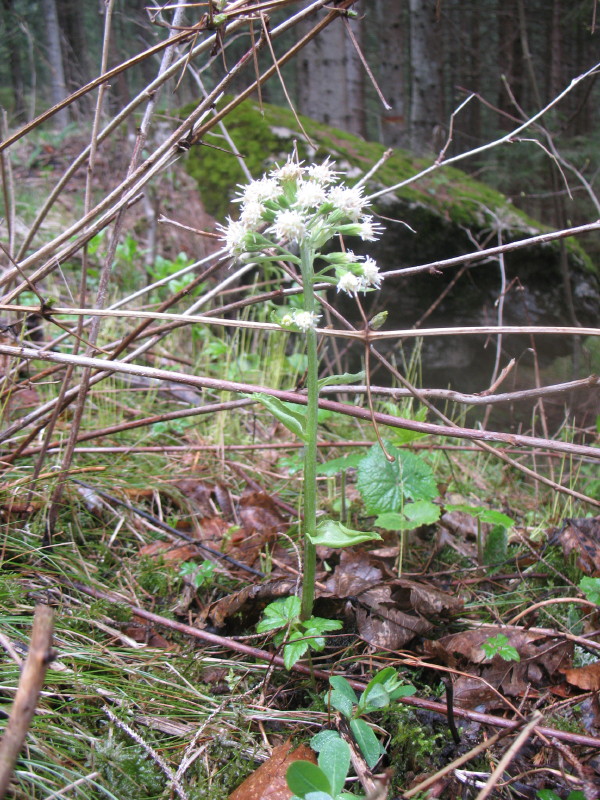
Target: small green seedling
{"x":326,"y":781}
{"x":382,"y":690}
{"x":548,"y":794}
{"x":494,"y":548}
{"x":296,"y":635}
{"x":499,"y":646}
{"x":199,"y":574}
{"x":591,"y":589}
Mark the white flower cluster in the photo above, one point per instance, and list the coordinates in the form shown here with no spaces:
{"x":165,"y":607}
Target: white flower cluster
{"x":303,"y":320}
{"x":307,"y":206}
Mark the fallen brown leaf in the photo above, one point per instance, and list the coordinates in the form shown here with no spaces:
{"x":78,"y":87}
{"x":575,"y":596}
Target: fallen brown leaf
{"x":261,"y":523}
{"x":382,"y":624}
{"x":268,"y":781}
{"x":171,"y":554}
{"x":582,"y":537}
{"x":586,"y":678}
{"x":543,"y":659}
{"x":218,"y":612}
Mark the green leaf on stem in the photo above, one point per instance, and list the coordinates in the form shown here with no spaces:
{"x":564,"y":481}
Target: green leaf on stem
{"x":421,"y":512}
{"x":385,"y":485}
{"x":339,"y":380}
{"x":294,"y":421}
{"x":304,"y":777}
{"x":334,"y":760}
{"x":294,"y":649}
{"x":342,"y":696}
{"x":333,"y":534}
{"x":483,"y":514}
{"x":367,"y":741}
{"x":279,"y":614}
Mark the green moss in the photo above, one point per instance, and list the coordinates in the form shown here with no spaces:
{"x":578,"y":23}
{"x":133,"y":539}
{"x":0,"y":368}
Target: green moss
{"x":217,"y":173}
{"x":413,"y":747}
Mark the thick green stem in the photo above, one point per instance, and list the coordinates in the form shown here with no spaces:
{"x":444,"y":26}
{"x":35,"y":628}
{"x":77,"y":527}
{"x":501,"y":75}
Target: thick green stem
{"x":310,"y":452}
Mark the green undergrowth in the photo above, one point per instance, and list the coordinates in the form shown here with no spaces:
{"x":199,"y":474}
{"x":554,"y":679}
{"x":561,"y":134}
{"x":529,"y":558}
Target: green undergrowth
{"x":119,"y":706}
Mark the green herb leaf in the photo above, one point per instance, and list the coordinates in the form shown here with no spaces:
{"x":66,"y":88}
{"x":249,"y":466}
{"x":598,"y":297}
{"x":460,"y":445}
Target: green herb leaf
{"x":296,"y":647}
{"x":341,"y":703}
{"x":374,"y":698}
{"x":294,"y":421}
{"x":303,"y":777}
{"x":342,"y":697}
{"x":384,"y":486}
{"x":335,"y":465}
{"x":483,"y":514}
{"x":334,"y":760}
{"x":421,"y":512}
{"x":367,"y":741}
{"x":339,"y":380}
{"x":321,"y":740}
{"x":591,"y":589}
{"x":279,"y":614}
{"x":333,"y":534}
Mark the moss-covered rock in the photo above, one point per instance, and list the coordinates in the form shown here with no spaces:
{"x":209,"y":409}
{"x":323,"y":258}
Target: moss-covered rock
{"x":269,"y":134}
{"x":444,"y":213}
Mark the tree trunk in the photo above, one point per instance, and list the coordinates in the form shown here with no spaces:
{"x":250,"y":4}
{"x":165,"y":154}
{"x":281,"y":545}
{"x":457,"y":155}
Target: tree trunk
{"x":391,"y":27}
{"x":330,"y":78}
{"x":14,"y":61}
{"x":76,"y":49}
{"x":58,"y":89}
{"x":425,"y":95}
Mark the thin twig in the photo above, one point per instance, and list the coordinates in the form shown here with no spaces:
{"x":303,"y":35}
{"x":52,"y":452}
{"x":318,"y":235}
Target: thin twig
{"x":510,"y":755}
{"x":28,"y":691}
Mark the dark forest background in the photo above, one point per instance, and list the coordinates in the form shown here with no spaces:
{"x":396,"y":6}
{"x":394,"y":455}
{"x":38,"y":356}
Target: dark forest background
{"x":427,"y":57}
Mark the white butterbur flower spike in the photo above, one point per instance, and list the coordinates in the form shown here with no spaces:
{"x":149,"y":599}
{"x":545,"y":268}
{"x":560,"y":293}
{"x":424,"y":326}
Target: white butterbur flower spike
{"x":308,"y":206}
{"x":305,"y":320}
{"x":289,"y":226}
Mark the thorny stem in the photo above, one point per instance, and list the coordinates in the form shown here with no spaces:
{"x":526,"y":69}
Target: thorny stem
{"x":310,"y":453}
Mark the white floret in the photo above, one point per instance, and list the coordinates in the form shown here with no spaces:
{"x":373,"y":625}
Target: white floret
{"x":290,"y":171}
{"x":310,"y":195}
{"x":234,"y":236}
{"x":289,"y":226}
{"x":349,"y":282}
{"x":348,"y":200}
{"x":369,"y":231}
{"x":370,"y":274}
{"x":322,"y":173}
{"x":252,"y":214}
{"x":259,"y":191}
{"x":305,"y":320}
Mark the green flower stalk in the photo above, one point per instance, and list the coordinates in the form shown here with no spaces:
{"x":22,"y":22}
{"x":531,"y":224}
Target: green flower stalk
{"x":301,"y":208}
